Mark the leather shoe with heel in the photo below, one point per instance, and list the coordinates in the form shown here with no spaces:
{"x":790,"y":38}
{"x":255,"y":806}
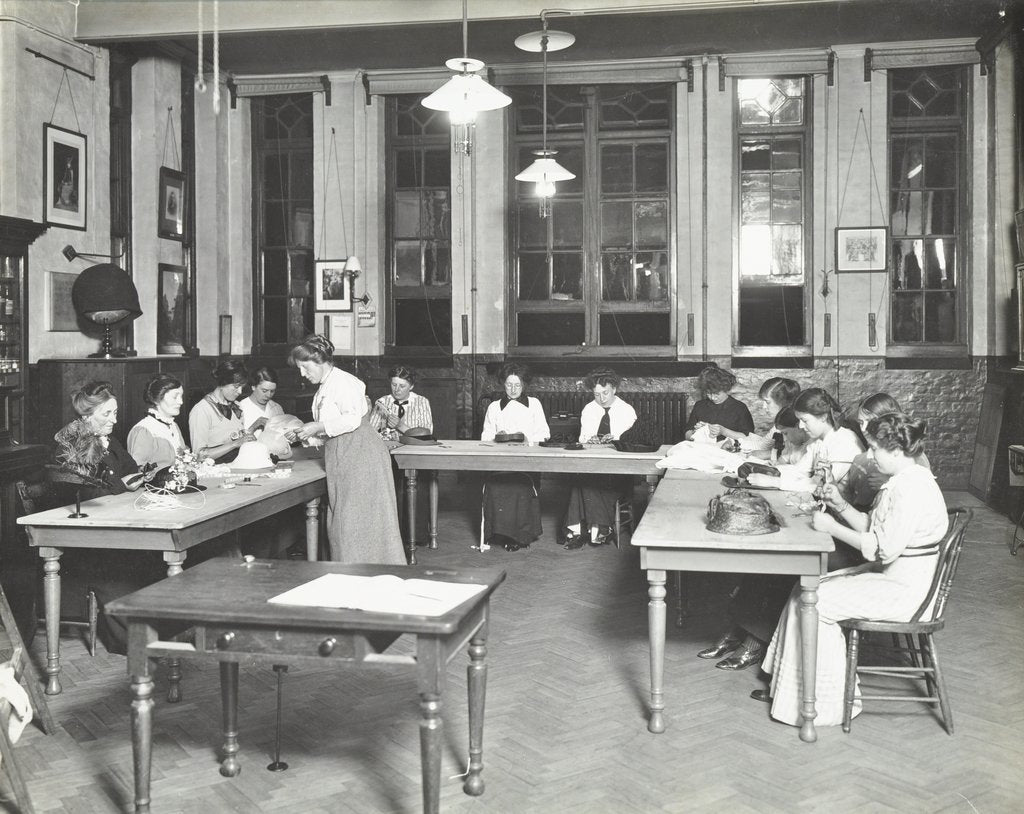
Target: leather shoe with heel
{"x":761,"y":695}
{"x":726,"y":644}
{"x":745,"y":658}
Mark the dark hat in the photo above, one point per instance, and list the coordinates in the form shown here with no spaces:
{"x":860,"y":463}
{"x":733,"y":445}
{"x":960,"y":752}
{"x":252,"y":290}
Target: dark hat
{"x":509,"y":437}
{"x":741,"y":512}
{"x":418,"y":435}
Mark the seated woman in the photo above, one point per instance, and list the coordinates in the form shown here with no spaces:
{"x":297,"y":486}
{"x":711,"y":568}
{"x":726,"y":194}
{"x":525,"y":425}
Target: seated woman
{"x":156,"y":439}
{"x":215,"y":423}
{"x":590,"y":515}
{"x":718,"y":414}
{"x":511,"y":507}
{"x":865,"y":478}
{"x":86,"y":451}
{"x":794,"y":438}
{"x":775,"y":394}
{"x":756,"y":603}
{"x":259,"y":405}
{"x":898,"y":538}
{"x":403,"y":409}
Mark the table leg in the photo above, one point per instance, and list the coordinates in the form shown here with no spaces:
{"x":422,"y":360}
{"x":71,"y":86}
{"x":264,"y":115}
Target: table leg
{"x":410,"y":504}
{"x":313,"y":529}
{"x":433,"y":510}
{"x":229,"y":767}
{"x":652,"y":481}
{"x":175,"y":565}
{"x":51,"y":605}
{"x":142,"y":733}
{"x":476,"y":674}
{"x":431,"y":727}
{"x":656,"y":626}
{"x":809,"y":654}
{"x":682,"y":596}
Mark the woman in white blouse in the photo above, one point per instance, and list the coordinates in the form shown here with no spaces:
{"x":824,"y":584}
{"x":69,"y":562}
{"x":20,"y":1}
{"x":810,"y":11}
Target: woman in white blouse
{"x":156,"y":439}
{"x":259,"y":405}
{"x":511,"y":505}
{"x":362,"y":515}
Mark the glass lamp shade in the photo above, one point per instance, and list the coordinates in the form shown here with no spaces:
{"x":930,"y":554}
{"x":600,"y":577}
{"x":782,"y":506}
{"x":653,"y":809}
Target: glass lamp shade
{"x":544,"y":172}
{"x":466,"y":93}
{"x":353,"y":266}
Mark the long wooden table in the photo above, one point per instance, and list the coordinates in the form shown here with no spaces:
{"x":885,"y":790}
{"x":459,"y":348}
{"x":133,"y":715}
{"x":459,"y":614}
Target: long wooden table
{"x":672,"y":537}
{"x":114,"y":522}
{"x":225,"y":602}
{"x":483,"y":456}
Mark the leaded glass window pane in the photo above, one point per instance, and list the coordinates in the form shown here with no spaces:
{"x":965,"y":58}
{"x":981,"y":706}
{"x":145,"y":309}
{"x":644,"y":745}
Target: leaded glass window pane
{"x":771,"y":101}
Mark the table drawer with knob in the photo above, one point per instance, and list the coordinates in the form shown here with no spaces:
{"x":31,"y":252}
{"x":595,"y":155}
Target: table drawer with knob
{"x":308,"y":643}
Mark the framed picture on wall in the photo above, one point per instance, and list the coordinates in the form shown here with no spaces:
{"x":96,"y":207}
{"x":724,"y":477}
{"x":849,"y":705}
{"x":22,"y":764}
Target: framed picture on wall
{"x":333,"y":286}
{"x":62,"y":311}
{"x":171,"y":204}
{"x":172,"y":309}
{"x":862,"y":248}
{"x":65,"y":178}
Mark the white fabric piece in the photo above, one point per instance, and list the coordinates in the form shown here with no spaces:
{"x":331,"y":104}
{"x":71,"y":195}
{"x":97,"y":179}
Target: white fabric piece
{"x":273,"y":437}
{"x":702,"y":457}
{"x":15,"y":695}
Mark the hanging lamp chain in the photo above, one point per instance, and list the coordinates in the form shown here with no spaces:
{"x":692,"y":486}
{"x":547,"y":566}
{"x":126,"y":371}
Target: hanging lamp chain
{"x":465,"y":29}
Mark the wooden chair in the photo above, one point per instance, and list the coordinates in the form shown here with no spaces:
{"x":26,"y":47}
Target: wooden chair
{"x":33,"y":498}
{"x":923,"y":625}
{"x":623,"y":517}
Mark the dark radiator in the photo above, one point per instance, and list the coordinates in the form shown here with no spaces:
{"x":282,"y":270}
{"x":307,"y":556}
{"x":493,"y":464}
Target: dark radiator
{"x":664,"y":412}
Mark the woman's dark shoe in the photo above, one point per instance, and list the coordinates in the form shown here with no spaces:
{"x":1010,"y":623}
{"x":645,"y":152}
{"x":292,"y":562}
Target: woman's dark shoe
{"x":746,"y":657}
{"x":604,"y":535}
{"x":726,"y":644}
{"x":761,"y":695}
{"x":574,"y":542}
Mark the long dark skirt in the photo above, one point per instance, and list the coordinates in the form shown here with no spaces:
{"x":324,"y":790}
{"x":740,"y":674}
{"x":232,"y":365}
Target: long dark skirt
{"x":592,"y":500}
{"x":758,"y":602}
{"x":511,"y":507}
{"x":362,"y":515}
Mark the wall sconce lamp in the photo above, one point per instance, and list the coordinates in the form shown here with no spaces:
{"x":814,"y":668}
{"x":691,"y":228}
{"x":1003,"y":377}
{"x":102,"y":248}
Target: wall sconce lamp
{"x":353,"y":268}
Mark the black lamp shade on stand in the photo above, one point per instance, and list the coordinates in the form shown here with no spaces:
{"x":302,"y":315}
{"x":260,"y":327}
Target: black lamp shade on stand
{"x":105,"y":295}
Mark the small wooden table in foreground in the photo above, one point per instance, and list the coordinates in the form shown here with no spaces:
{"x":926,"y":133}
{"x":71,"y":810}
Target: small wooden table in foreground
{"x":488,"y":456}
{"x":225,"y":601}
{"x":113,"y":522}
{"x":672,"y":537}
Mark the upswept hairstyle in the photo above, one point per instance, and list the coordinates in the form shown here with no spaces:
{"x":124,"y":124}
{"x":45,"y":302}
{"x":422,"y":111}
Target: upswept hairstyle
{"x":715,"y":380}
{"x":785,"y":419}
{"x":898,"y":431}
{"x":262,"y":374}
{"x":159,"y":386}
{"x":90,"y":396}
{"x":228,"y":372}
{"x":878,"y":404}
{"x":513,"y":369}
{"x":779,"y":390}
{"x":820,"y":404}
{"x":403,"y":372}
{"x":602,"y":376}
{"x":314,"y":348}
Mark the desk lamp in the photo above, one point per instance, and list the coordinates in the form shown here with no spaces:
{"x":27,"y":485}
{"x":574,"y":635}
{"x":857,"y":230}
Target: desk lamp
{"x":105,"y":295}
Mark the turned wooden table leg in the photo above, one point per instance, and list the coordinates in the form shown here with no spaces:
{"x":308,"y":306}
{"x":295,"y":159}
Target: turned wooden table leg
{"x":410,"y":503}
{"x":432,"y":530}
{"x":229,"y":766}
{"x":431,"y":728}
{"x":313,"y":529}
{"x":51,"y":604}
{"x":809,"y":655}
{"x":476,"y":674}
{"x":140,"y":669}
{"x":656,"y":625}
{"x":175,"y":565}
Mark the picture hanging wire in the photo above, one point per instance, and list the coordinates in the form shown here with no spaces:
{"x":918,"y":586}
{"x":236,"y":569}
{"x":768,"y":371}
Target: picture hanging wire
{"x":169,"y":131}
{"x":64,"y":79}
{"x":332,"y":156}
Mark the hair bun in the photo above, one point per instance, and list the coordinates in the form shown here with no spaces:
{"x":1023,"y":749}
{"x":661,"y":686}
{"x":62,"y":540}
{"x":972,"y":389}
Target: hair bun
{"x":322,"y":344}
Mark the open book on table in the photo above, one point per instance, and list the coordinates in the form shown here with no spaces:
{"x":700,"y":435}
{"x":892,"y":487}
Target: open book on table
{"x":381,"y":594}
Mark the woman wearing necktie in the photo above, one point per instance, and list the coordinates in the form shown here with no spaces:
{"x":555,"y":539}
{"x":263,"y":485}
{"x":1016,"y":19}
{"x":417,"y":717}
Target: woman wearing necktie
{"x":511,"y":507}
{"x":590,"y":516}
{"x":215,"y":423}
{"x":403,"y":409}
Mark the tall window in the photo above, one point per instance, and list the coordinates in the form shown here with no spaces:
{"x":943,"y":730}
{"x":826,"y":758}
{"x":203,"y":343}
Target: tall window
{"x":773,"y":116}
{"x":282,"y":136}
{"x":596,"y":274}
{"x":926,"y":188}
{"x":419,"y":227}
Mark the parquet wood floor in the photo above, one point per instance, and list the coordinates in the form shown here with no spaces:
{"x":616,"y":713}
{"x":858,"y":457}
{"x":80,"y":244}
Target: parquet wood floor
{"x":566,"y":717}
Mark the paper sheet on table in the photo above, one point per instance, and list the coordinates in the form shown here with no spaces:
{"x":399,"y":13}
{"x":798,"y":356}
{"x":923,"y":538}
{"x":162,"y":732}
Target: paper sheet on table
{"x":381,"y":594}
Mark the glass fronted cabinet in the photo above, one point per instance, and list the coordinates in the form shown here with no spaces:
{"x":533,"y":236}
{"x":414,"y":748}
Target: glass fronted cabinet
{"x":15,"y":236}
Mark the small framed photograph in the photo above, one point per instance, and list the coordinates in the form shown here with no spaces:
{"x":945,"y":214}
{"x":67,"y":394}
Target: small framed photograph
{"x":333,"y":286}
{"x":170,"y":204}
{"x":65,"y":178}
{"x":224,"y":345}
{"x":172,"y":316}
{"x":62,"y":311}
{"x":862,"y":248}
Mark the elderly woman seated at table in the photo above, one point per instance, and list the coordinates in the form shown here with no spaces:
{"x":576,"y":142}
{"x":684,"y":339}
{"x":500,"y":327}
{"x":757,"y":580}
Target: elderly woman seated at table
{"x":511,"y":510}
{"x":899,"y":540}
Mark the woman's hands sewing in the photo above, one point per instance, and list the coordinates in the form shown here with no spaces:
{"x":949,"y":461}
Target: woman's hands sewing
{"x":829,"y":498}
{"x":309,"y":430}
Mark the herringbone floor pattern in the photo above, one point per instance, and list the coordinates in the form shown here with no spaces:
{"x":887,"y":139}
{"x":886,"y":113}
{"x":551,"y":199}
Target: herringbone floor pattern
{"x":566,"y":716}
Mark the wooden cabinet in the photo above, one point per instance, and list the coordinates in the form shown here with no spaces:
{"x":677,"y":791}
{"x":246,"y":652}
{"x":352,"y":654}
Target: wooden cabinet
{"x":57,"y":379}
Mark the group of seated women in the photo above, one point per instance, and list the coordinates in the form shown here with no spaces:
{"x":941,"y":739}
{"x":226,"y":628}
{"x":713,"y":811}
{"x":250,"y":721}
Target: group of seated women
{"x":879,"y":501}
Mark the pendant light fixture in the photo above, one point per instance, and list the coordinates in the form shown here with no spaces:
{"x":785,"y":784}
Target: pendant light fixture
{"x":545,"y":171}
{"x":466,"y":93}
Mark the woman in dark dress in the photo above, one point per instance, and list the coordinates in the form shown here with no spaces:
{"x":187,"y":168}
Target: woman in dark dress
{"x":90,"y":462}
